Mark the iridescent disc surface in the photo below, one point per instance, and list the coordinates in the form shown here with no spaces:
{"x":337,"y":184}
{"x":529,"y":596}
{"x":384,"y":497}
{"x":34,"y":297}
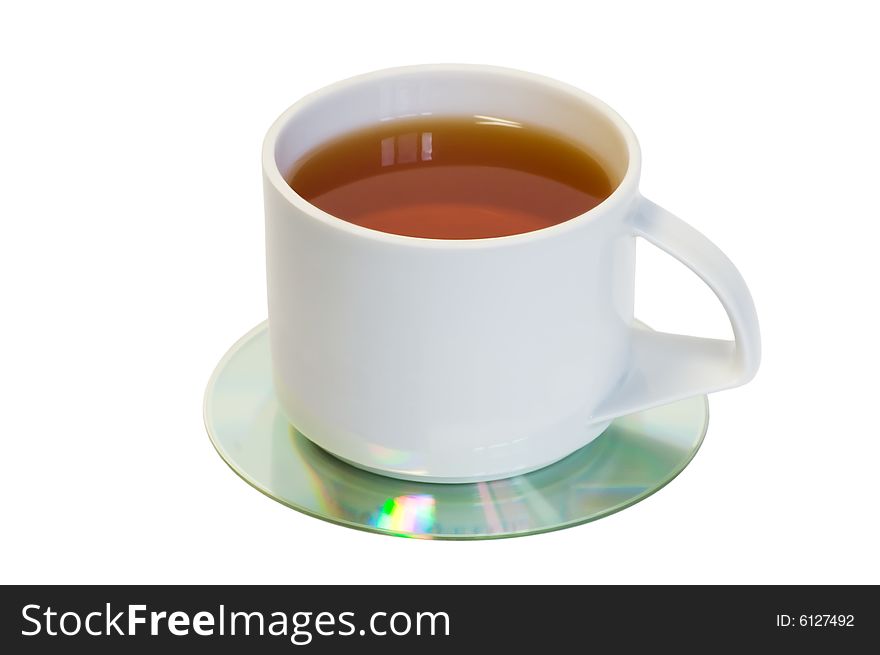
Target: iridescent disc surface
{"x":633,"y":458}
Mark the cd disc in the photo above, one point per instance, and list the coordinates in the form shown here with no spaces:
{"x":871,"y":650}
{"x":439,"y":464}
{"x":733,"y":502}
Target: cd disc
{"x":637,"y":455}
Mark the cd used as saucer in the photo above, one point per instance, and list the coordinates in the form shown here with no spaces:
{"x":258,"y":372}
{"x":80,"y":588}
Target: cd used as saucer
{"x":637,"y":455}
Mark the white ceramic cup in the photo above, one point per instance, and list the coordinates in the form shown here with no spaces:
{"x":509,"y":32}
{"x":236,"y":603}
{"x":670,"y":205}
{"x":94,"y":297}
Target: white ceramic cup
{"x":464,"y":360}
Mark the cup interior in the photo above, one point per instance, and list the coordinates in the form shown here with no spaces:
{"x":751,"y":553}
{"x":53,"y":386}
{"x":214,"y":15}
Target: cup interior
{"x":487,"y":92}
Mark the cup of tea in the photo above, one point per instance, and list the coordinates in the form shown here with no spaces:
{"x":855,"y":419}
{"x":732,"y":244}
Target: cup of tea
{"x":451,"y":273}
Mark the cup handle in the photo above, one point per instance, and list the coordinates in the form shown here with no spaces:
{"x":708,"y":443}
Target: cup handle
{"x":668,"y":367}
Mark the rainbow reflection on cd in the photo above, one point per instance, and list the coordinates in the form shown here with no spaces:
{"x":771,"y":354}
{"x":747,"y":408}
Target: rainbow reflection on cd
{"x":413,"y":514}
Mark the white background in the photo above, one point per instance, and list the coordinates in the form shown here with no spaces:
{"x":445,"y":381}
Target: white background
{"x":131,"y":258}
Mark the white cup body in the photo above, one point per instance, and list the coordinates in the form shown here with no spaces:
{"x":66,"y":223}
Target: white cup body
{"x":449,"y":360}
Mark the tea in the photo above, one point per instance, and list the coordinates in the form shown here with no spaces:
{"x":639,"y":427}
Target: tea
{"x":451,"y":178}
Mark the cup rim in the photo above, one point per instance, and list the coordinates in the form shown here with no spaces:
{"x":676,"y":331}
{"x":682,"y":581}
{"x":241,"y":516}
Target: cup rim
{"x":623,"y":191}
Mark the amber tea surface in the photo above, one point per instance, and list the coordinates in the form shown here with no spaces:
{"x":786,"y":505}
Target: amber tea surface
{"x":451,"y":178}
